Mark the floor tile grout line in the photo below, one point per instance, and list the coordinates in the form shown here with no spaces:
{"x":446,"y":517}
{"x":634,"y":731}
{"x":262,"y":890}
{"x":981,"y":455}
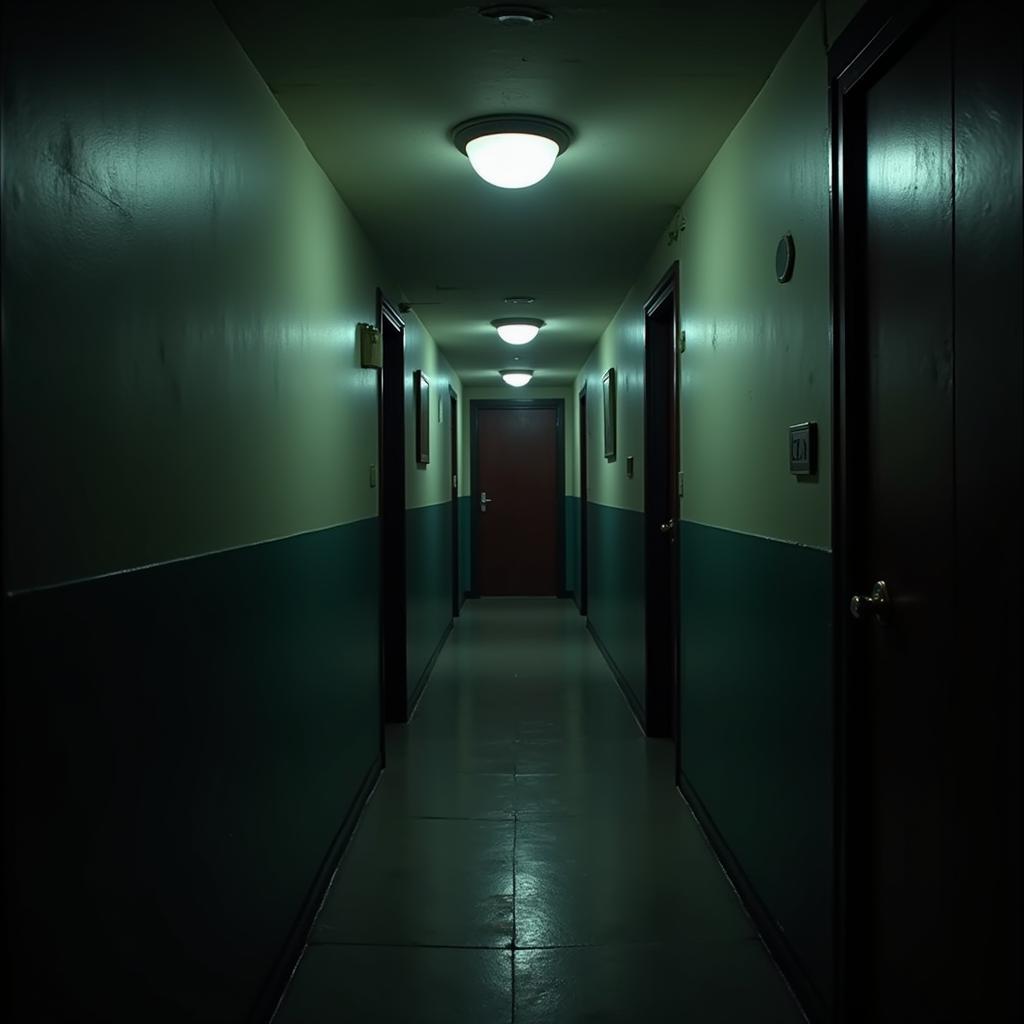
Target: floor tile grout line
{"x":341,"y":943}
{"x":515,"y":836}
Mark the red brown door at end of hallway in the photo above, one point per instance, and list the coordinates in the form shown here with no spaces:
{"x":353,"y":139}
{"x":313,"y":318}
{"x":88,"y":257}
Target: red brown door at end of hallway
{"x":516,"y":498}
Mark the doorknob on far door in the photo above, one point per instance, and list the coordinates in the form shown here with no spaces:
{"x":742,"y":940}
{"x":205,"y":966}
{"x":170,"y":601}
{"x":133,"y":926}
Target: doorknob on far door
{"x":667,"y":527}
{"x":484,"y":501}
{"x":876,"y":604}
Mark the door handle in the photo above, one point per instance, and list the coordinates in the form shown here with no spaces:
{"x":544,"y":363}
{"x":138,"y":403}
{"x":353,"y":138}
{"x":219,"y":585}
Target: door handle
{"x":877,"y":603}
{"x":667,"y":527}
{"x":484,"y":501}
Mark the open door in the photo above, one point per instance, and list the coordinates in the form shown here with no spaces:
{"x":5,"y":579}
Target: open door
{"x":661,"y":506}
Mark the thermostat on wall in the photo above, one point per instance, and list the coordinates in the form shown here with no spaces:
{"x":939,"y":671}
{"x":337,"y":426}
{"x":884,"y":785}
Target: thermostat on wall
{"x":803,"y":449}
{"x":371,"y":351}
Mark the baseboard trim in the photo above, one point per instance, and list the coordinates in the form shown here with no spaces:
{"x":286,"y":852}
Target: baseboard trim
{"x":634,"y":704}
{"x":417,"y":692}
{"x":772,"y":936}
{"x":270,"y":997}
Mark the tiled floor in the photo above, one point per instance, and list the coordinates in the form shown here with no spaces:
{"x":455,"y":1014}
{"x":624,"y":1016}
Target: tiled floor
{"x":525,"y":857}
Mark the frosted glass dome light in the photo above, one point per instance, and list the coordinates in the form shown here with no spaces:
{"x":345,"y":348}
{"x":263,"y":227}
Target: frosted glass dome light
{"x":517,"y":330}
{"x":512,"y":160}
{"x":516,"y":378}
{"x":512,"y":152}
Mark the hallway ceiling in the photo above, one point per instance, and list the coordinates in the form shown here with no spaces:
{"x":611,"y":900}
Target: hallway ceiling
{"x":651,"y":90}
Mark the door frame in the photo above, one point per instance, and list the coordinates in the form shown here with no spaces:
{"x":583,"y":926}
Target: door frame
{"x":661,"y":651}
{"x":861,"y":48}
{"x":475,"y":405}
{"x":873,"y":37}
{"x":584,"y":548}
{"x":391,"y":508}
{"x":453,"y":427}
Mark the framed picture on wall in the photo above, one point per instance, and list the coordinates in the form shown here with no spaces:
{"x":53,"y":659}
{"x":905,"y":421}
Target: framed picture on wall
{"x":421,"y":397}
{"x":608,"y":390}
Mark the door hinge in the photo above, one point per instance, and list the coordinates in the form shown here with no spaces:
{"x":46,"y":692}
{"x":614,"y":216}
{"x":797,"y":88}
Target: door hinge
{"x":680,"y":485}
{"x":682,"y":341}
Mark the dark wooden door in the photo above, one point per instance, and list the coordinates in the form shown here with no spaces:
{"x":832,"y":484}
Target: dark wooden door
{"x":924,"y":828}
{"x":453,"y":427}
{"x":661,"y":562}
{"x":907,"y":521}
{"x":516,"y":494}
{"x":391,"y":479}
{"x":581,"y":597}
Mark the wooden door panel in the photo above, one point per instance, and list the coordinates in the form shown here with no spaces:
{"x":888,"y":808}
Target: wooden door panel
{"x":907,"y":520}
{"x":518,"y":527}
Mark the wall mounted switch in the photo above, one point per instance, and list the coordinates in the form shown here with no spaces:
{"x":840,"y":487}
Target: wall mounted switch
{"x":373,"y":475}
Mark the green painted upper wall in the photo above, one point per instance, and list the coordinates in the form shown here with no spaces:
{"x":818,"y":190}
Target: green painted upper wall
{"x":757,"y":353}
{"x":182,"y":285}
{"x":502,"y":392}
{"x":429,"y":484}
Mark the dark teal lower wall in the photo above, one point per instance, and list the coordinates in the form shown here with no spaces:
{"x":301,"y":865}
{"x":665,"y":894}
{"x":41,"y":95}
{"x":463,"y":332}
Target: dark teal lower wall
{"x":182,"y":745}
{"x":615,"y":591}
{"x":428,"y":538}
{"x":756,"y":721}
{"x":571,"y":582}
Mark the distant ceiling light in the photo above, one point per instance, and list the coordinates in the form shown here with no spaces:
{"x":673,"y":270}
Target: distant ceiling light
{"x":514,"y":151}
{"x":516,"y":378}
{"x":515,"y":14}
{"x":515,"y":299}
{"x":517,"y":330}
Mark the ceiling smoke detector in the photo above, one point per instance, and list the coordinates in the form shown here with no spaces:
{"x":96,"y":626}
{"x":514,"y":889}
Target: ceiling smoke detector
{"x":515,"y":14}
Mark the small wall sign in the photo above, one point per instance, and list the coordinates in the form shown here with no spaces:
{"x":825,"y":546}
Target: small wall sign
{"x":803,"y":449}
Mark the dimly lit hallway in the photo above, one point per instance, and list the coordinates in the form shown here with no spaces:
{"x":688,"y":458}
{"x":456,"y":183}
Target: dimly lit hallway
{"x":526,"y":843}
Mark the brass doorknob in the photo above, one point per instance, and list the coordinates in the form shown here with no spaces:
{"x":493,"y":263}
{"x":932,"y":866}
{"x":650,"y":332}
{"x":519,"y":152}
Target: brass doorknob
{"x":667,"y":527}
{"x":876,"y":604}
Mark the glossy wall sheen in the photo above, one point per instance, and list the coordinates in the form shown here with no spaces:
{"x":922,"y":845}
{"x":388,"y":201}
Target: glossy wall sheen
{"x":191,"y":566}
{"x":182,"y":285}
{"x":428,"y":484}
{"x":182,"y":746}
{"x":757,"y":352}
{"x":755,"y":689}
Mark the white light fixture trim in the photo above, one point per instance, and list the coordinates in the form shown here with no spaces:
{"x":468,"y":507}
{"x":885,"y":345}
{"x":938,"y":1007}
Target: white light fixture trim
{"x":517,"y":330}
{"x":517,"y":377}
{"x":512,"y":151}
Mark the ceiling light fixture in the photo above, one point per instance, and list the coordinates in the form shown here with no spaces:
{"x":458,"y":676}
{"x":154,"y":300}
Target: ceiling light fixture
{"x":518,"y":299}
{"x":513,"y":151}
{"x":515,"y":14}
{"x":517,"y":330}
{"x":516,"y":377}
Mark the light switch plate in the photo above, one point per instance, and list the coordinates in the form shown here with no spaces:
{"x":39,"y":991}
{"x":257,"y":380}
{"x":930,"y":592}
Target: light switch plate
{"x":373,"y":474}
{"x":803,"y":449}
